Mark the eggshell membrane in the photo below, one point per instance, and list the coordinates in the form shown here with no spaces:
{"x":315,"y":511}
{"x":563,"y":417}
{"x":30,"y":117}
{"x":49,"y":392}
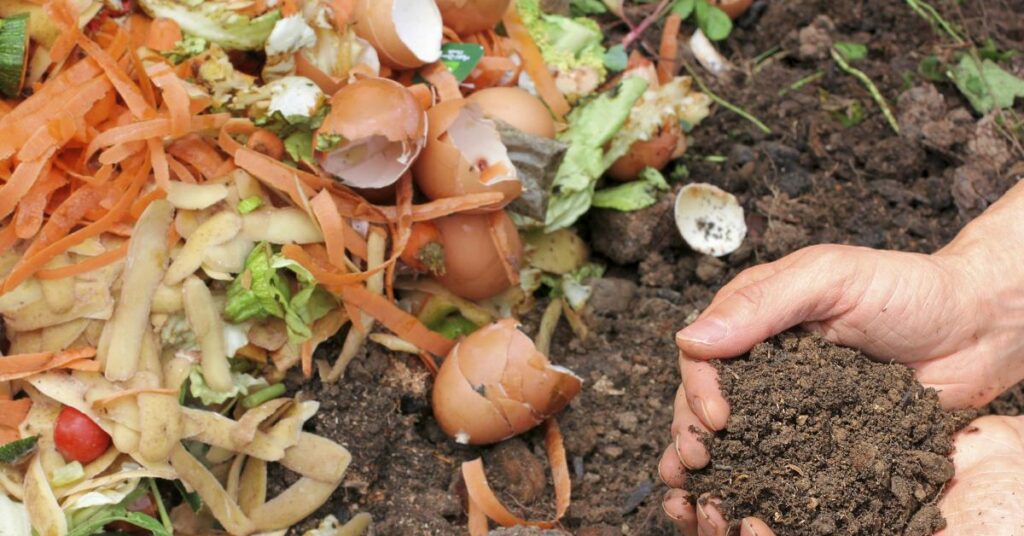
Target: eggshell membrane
{"x":381,"y":115}
{"x":655,"y":152}
{"x":472,"y":16}
{"x":733,"y":8}
{"x":445,"y":170}
{"x":473,"y":269}
{"x":495,"y":384}
{"x":710,"y":219}
{"x":381,"y":23}
{"x":516,"y":107}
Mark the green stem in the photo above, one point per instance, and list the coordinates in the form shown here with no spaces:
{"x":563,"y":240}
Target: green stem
{"x":871,"y":87}
{"x":726,"y":104}
{"x":801,"y":83}
{"x":263,"y":395}
{"x":930,"y":14}
{"x":164,"y":518}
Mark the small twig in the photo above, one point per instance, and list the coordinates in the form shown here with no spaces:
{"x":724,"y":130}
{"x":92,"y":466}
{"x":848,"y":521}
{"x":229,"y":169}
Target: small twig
{"x":871,"y":87}
{"x":548,"y":322}
{"x":930,"y":14}
{"x":635,"y":33}
{"x":795,"y":86}
{"x":726,"y":104}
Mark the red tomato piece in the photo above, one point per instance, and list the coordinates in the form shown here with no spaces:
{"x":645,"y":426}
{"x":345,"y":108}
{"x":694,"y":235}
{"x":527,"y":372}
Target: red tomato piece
{"x":78,"y":438}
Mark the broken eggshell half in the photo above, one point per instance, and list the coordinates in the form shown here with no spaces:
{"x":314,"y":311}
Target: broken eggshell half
{"x":495,"y":384}
{"x":373,"y":134}
{"x":406,"y":33}
{"x":473,"y":267}
{"x":472,"y":16}
{"x":465,"y":155}
{"x":710,"y":219}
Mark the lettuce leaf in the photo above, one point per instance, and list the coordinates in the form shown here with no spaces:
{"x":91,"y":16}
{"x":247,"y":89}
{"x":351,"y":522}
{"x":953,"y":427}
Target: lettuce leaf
{"x":591,"y":126}
{"x":634,"y":195}
{"x":243,"y":384}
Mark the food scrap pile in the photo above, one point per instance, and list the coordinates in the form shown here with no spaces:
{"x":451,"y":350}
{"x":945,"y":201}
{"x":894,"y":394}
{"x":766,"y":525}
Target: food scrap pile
{"x":195,"y":195}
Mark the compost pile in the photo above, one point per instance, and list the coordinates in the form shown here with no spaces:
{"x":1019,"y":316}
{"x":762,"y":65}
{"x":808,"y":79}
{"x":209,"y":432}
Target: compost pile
{"x":822,"y":440}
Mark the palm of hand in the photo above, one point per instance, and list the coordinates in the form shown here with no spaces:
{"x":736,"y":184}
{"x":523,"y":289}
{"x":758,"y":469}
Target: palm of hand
{"x":985,"y":494}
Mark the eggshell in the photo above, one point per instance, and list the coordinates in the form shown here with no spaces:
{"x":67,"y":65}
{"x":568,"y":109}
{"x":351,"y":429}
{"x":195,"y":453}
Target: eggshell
{"x":459,"y":139}
{"x":710,"y":219}
{"x":406,"y":33}
{"x":495,"y":384}
{"x":383,"y":128}
{"x":472,"y":16}
{"x":516,"y":107}
{"x":655,"y":152}
{"x":473,"y":269}
{"x":733,"y":8}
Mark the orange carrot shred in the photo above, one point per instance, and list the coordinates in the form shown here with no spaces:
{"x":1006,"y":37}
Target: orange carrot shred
{"x":29,"y":217}
{"x":161,"y":170}
{"x":25,"y":175}
{"x":181,"y":171}
{"x":88,"y":265}
{"x":12,"y":412}
{"x":400,"y":322}
{"x":196,"y":152}
{"x":423,"y":94}
{"x":65,"y":217}
{"x":84,"y":365}
{"x":8,"y":237}
{"x":306,"y":356}
{"x":175,"y":97}
{"x":15,"y":367}
{"x":163,"y":34}
{"x":127,"y":88}
{"x":668,"y":49}
{"x":535,"y":66}
{"x":326,"y":212}
{"x":141,"y":203}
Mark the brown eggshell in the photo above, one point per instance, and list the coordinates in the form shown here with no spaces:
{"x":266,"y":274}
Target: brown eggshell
{"x":733,"y":8}
{"x":376,"y":22}
{"x":443,"y":171}
{"x":516,"y":107}
{"x":369,"y":108}
{"x":655,"y":152}
{"x":495,"y":384}
{"x":473,"y":268}
{"x":472,"y":16}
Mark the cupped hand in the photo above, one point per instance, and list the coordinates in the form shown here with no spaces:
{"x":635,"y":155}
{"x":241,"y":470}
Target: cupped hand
{"x":983,"y":497}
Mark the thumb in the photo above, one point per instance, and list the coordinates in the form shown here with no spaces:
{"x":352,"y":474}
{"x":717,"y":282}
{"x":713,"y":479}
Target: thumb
{"x":762,"y":309}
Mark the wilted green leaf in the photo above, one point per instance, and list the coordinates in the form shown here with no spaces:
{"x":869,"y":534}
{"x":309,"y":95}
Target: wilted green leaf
{"x":615,"y":59}
{"x":851,"y":51}
{"x":987,"y":88}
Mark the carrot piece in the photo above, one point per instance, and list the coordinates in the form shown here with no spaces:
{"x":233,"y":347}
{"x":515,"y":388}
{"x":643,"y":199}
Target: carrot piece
{"x":328,"y":84}
{"x":138,"y":30}
{"x":289,"y":8}
{"x":63,"y":14}
{"x":121,"y":152}
{"x":306,"y":357}
{"x":534,"y":64}
{"x":443,"y":80}
{"x":141,"y":131}
{"x":124,"y":85}
{"x":175,"y":97}
{"x":8,"y":435}
{"x":8,"y":237}
{"x":15,"y":367}
{"x":324,"y":273}
{"x":84,"y":365}
{"x":88,"y":265}
{"x":668,"y":49}
{"x":66,"y":216}
{"x":326,"y":212}
{"x":423,"y":94}
{"x":264,"y":141}
{"x":481,"y":496}
{"x":12,"y":412}
{"x":50,"y":135}
{"x":24,"y":177}
{"x":181,"y":171}
{"x":103,"y":108}
{"x":141,"y":203}
{"x":145,"y":83}
{"x":278,"y":175}
{"x":196,"y":152}
{"x":230,"y":128}
{"x":163,"y":34}
{"x":161,"y":171}
{"x":400,"y":322}
{"x":29,"y":217}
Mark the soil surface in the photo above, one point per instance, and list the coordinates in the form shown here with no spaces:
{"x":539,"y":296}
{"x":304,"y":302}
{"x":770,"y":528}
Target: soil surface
{"x":811,"y":180}
{"x":823,"y":441}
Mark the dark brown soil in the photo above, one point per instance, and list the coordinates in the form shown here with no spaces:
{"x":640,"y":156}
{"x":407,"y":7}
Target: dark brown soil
{"x":823,"y":441}
{"x":810,"y":181}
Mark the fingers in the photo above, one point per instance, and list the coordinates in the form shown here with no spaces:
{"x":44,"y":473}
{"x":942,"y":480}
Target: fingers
{"x":753,"y":526}
{"x":709,"y":519}
{"x":703,"y":394}
{"x":686,"y":431}
{"x":671,"y":469}
{"x":806,"y":290}
{"x":677,"y":507}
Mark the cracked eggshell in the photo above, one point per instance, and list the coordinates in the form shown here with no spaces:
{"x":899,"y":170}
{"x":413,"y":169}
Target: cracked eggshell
{"x":382,"y":128}
{"x":516,"y":107}
{"x":472,"y":266}
{"x":495,"y":384}
{"x":462,"y":156}
{"x":656,"y":153}
{"x":472,"y":16}
{"x":406,"y":33}
{"x":710,"y":219}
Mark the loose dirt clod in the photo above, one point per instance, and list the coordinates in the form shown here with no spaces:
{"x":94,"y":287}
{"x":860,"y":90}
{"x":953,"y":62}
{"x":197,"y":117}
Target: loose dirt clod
{"x":823,"y":441}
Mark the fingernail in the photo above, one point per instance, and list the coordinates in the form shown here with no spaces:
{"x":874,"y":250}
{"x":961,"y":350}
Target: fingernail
{"x":679,"y":452}
{"x":706,"y":517}
{"x":670,"y":495}
{"x":748,"y":528}
{"x":703,"y":408}
{"x":703,"y":331}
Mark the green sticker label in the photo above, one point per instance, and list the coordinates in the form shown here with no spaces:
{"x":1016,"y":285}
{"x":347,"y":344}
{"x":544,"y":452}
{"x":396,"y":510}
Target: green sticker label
{"x":461,"y":58}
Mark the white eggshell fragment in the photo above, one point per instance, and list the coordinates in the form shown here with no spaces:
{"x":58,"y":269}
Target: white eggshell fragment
{"x":710,"y":219}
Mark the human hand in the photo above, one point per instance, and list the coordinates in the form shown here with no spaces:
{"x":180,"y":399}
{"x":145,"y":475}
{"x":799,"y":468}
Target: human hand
{"x":988,"y":460}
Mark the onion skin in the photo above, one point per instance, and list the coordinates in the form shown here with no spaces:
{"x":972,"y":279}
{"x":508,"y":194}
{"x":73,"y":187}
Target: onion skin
{"x":655,"y":152}
{"x":472,"y":267}
{"x":441,"y":171}
{"x":472,"y":16}
{"x":516,"y":107}
{"x":733,"y":8}
{"x":495,"y":384}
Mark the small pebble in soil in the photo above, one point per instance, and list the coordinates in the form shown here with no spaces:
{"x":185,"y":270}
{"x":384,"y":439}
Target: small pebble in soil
{"x":824,"y":441}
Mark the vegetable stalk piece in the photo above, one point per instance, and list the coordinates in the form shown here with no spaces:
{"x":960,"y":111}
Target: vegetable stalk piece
{"x":13,"y":54}
{"x":216,"y":21}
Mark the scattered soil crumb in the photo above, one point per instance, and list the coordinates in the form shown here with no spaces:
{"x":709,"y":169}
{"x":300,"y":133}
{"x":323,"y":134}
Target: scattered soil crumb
{"x":824,"y":441}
